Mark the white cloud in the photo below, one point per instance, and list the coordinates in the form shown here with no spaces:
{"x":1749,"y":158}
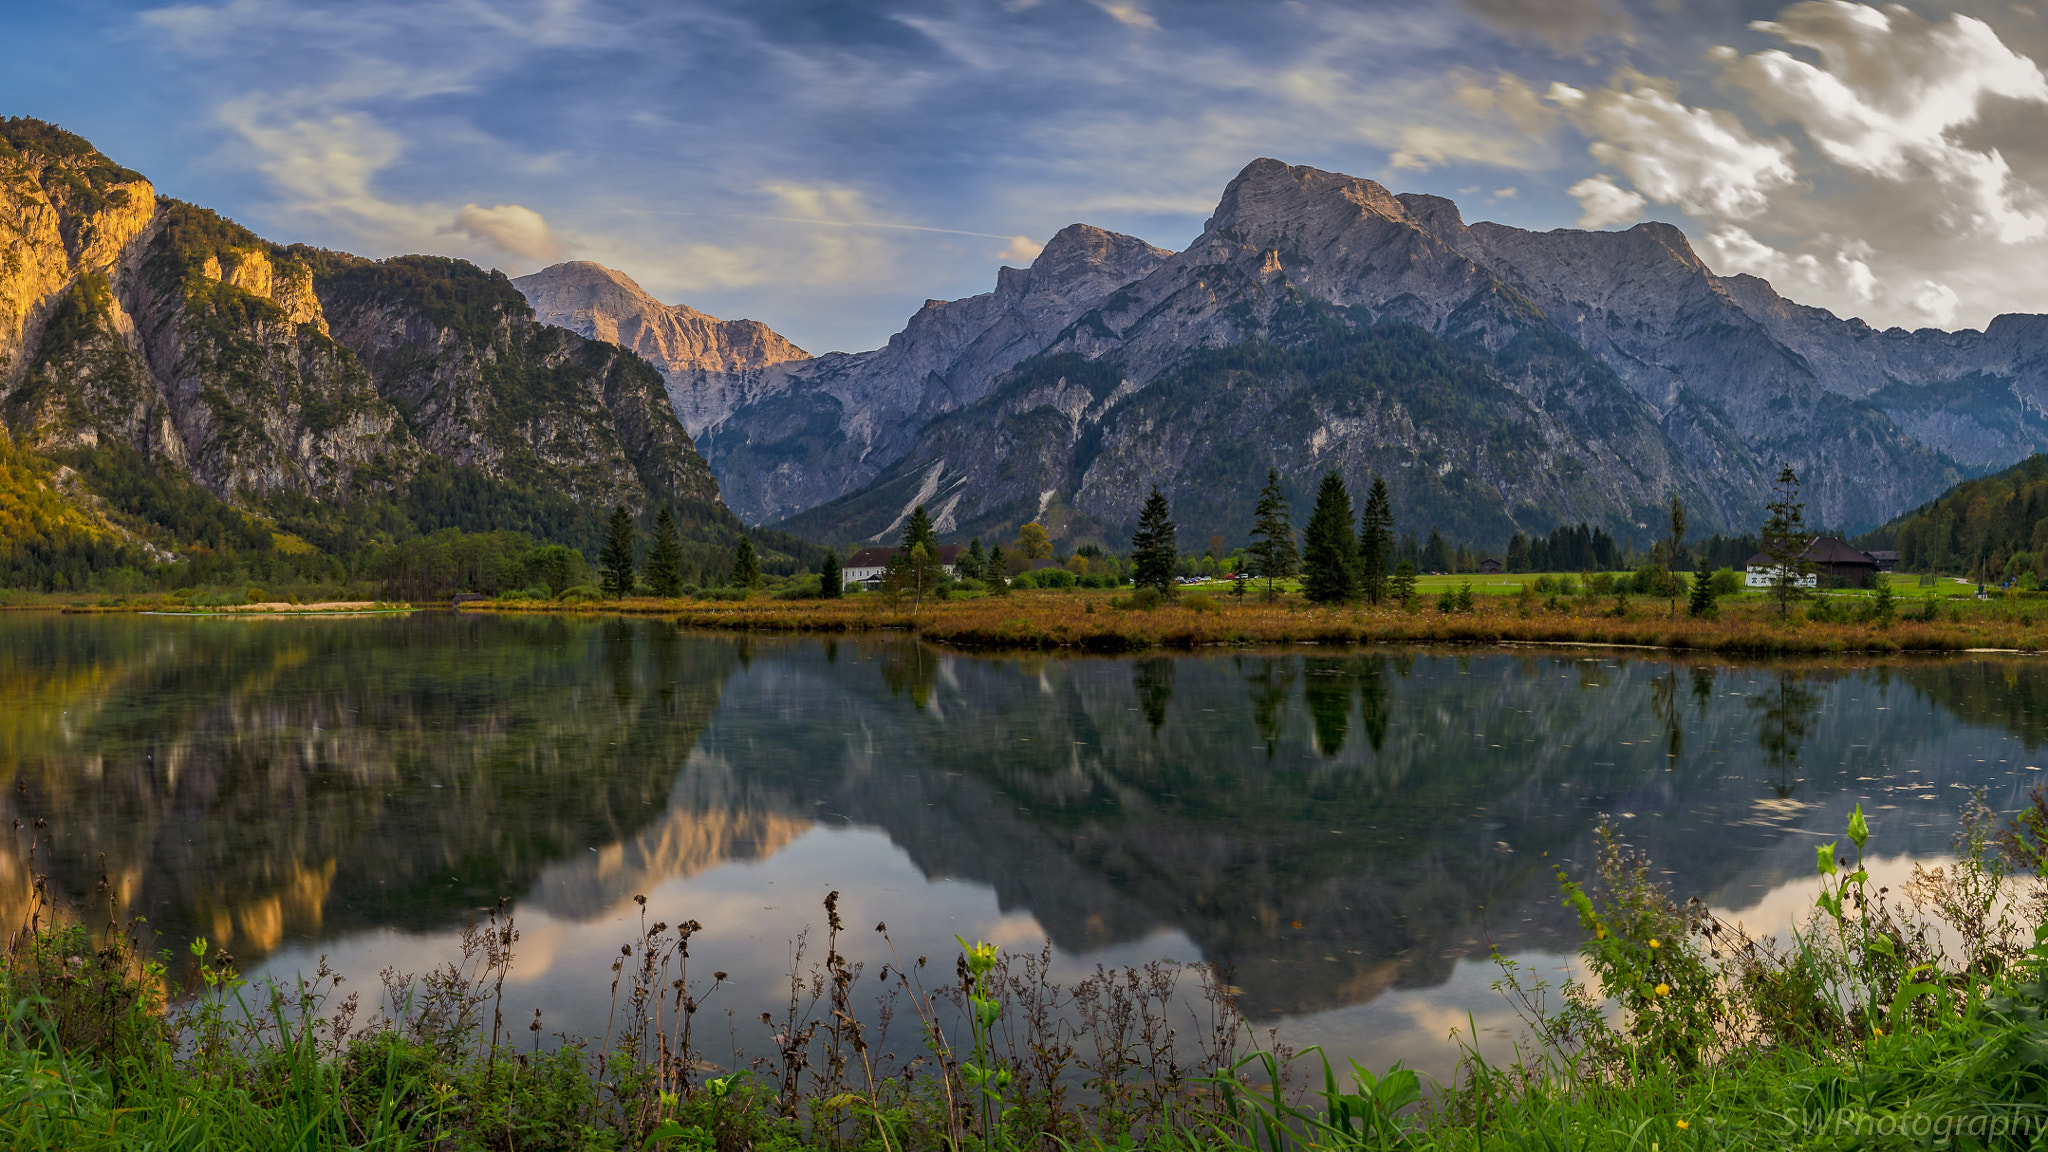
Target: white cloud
{"x":1701,"y":159}
{"x":1020,"y":251}
{"x":1888,"y":97}
{"x":1129,"y":13}
{"x":1603,"y":203}
{"x":513,"y":228}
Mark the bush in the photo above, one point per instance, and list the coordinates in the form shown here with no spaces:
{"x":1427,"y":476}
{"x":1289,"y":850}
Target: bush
{"x":579,"y":593}
{"x":255,"y":596}
{"x":1727,"y":582}
{"x":1144,"y":599}
{"x":1200,"y":602}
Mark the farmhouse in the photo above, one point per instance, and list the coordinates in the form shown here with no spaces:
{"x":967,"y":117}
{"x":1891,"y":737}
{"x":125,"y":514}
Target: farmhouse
{"x":1824,"y":556}
{"x":865,"y":566}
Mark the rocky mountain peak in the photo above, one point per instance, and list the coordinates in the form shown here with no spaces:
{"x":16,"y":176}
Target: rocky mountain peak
{"x":1269,"y":198}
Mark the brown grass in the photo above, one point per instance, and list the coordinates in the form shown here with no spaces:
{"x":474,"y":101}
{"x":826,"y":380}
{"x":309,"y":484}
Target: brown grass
{"x":1088,"y":620}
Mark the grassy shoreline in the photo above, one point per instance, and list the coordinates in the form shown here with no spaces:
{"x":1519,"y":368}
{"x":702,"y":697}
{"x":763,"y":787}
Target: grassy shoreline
{"x":1092,"y":621}
{"x":1106,"y":621}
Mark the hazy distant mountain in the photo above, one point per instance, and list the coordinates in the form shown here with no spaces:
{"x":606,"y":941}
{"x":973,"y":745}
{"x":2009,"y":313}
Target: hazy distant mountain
{"x":1498,"y":378}
{"x":707,"y":361}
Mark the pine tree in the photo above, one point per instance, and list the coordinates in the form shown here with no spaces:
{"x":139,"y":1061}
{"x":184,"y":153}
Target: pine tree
{"x":919,"y":531}
{"x":615,"y":562}
{"x":1785,"y":539}
{"x":665,"y":559}
{"x":831,"y":581}
{"x":746,"y":566}
{"x":1518,"y":553}
{"x":1376,"y":541}
{"x":1436,"y":556}
{"x":995,"y":571}
{"x":1272,"y":549}
{"x":974,"y":563}
{"x":1154,"y":555}
{"x":1329,"y":552}
{"x":915,"y":571}
{"x":1238,"y":580}
{"x":1701,"y":605}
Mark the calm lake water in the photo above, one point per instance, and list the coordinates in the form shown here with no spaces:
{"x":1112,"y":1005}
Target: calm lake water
{"x":1350,"y":831}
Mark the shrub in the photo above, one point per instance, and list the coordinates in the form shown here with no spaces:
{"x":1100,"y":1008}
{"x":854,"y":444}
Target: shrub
{"x":1200,"y":602}
{"x":580,"y":593}
{"x":1143,"y":599}
{"x":1727,"y":582}
{"x":255,"y":596}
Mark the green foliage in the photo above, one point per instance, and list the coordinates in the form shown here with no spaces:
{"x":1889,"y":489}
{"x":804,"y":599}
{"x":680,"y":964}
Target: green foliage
{"x":616,"y":561}
{"x":1402,"y":587}
{"x":746,"y":566}
{"x":1975,"y":527}
{"x":1700,"y":605}
{"x":452,"y":293}
{"x":1154,"y":553}
{"x":1329,"y":552}
{"x":665,"y":558}
{"x":1376,"y":541}
{"x":1272,"y":553}
{"x":918,"y":531}
{"x":831,"y":579}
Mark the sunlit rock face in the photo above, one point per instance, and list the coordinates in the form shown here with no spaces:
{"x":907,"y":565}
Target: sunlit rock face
{"x":138,"y":328}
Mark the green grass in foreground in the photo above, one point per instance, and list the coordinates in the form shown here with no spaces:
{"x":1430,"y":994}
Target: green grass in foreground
{"x":1907,"y":1020}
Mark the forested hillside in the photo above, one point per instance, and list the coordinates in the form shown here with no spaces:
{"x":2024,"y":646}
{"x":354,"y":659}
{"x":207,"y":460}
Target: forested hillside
{"x":1991,"y":528}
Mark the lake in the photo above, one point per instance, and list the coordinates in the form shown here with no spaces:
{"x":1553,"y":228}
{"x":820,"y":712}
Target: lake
{"x":1350,"y":832}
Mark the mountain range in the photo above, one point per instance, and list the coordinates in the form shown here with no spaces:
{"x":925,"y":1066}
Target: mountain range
{"x":172,"y":364}
{"x":1500,"y":379}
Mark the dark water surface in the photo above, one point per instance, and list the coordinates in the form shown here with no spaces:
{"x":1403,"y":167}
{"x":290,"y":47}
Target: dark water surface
{"x":1350,"y":831}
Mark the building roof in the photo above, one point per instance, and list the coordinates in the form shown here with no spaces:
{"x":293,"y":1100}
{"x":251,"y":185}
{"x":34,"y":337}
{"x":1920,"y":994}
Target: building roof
{"x":1883,"y":554}
{"x":878,"y":557}
{"x":1824,"y":550}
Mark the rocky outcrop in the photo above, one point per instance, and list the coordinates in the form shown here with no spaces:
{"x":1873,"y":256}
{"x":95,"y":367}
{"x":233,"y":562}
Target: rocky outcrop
{"x":710,"y":364}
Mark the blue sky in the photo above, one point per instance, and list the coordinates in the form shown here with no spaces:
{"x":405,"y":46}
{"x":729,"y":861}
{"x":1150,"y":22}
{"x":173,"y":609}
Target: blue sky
{"x":825,"y":167}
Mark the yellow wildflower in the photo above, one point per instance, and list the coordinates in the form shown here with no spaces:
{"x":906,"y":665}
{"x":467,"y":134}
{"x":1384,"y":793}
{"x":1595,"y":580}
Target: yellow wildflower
{"x":1682,"y":1125}
{"x":1654,"y":944}
{"x":1663,"y":989}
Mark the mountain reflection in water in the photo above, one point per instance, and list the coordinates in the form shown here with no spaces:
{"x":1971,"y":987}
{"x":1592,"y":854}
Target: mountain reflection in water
{"x":1331,"y":826}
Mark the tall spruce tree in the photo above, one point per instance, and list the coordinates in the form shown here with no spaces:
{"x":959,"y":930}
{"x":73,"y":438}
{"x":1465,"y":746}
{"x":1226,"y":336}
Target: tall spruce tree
{"x":1436,"y":555}
{"x":1154,"y":554}
{"x":975,"y":561}
{"x":615,"y":561}
{"x":1785,"y":539}
{"x":665,"y":558}
{"x":1272,"y":550}
{"x":831,"y":580}
{"x":995,"y":571}
{"x":746,"y":566}
{"x":1329,"y":552}
{"x":1376,"y":541}
{"x":1518,"y":553}
{"x":919,"y":531}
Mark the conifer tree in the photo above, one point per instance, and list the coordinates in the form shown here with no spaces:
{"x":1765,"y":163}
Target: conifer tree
{"x":831,"y":580}
{"x":1785,"y":539}
{"x":1154,"y":554}
{"x":1701,"y":605}
{"x":615,"y":561}
{"x":1436,"y":556}
{"x":1329,"y":552}
{"x":665,"y":559}
{"x":1401,"y":587}
{"x":995,"y":571}
{"x":746,"y":566}
{"x":1376,"y":541}
{"x":1518,"y":553}
{"x":1674,"y":543}
{"x":975,"y":562}
{"x":919,"y":531}
{"x":1272,"y":548}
